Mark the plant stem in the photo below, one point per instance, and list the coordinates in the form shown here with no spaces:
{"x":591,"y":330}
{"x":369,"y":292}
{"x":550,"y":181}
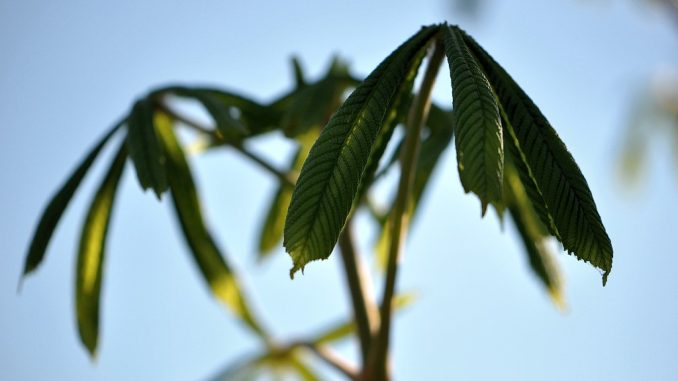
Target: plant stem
{"x":361,"y":310}
{"x":283,"y":177}
{"x":408,"y":160}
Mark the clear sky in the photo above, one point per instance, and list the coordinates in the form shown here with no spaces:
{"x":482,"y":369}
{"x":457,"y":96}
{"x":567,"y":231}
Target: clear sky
{"x":69,"y":69}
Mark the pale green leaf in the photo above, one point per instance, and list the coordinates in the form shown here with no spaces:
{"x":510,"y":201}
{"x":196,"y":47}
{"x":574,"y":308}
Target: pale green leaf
{"x":479,"y":142}
{"x":272,"y":229}
{"x":209,"y":259}
{"x":91,"y":254}
{"x":330,"y":177}
{"x":144,"y":148}
{"x":57,"y":205}
{"x":556,"y":175}
{"x":533,"y":234}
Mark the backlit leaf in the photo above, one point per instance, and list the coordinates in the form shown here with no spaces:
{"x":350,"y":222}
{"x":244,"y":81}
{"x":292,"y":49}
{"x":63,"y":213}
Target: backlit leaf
{"x":89,"y":269}
{"x":212,"y":264}
{"x":52,"y":213}
{"x":555,"y":174}
{"x":331,"y":175}
{"x":480,"y":148}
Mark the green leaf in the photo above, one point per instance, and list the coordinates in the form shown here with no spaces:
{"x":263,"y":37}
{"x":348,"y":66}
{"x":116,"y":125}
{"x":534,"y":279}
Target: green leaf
{"x":91,"y":253}
{"x":555,"y":174}
{"x":272,"y":229}
{"x":534,"y":235}
{"x":480,"y":148}
{"x":144,"y":147}
{"x":212,"y":264}
{"x":330,"y":177}
{"x":299,"y":79}
{"x":54,"y":210}
{"x":312,"y":105}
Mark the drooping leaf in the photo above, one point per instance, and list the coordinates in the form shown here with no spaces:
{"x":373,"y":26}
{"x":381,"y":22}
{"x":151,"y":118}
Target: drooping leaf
{"x":91,"y":254}
{"x":555,"y":174}
{"x":330,"y":177}
{"x":272,"y":229}
{"x":52,"y":213}
{"x":209,"y":259}
{"x":480,"y":148}
{"x":533,"y":233}
{"x":144,"y":148}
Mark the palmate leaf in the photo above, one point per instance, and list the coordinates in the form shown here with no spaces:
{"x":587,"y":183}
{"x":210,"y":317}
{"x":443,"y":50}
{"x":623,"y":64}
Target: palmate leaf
{"x":556,"y":176}
{"x":480,"y":148}
{"x":144,"y":148}
{"x":89,"y":269}
{"x":330,"y":177}
{"x":209,"y":259}
{"x":57,"y":205}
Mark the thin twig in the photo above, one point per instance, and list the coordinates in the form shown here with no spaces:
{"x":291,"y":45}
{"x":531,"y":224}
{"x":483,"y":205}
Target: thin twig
{"x":197,"y":126}
{"x":408,"y":161}
{"x":361,"y":311}
{"x":332,"y":359}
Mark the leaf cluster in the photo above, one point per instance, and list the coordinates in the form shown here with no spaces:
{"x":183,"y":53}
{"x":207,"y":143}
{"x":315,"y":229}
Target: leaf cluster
{"x":507,"y":153}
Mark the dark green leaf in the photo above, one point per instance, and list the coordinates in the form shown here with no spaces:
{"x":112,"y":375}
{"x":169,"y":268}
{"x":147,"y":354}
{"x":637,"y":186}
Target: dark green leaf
{"x":212,"y":264}
{"x":91,"y":254}
{"x":299,"y":79}
{"x":331,"y":175}
{"x":144,"y":147}
{"x":555,"y":174}
{"x":52,"y":213}
{"x":480,"y":148}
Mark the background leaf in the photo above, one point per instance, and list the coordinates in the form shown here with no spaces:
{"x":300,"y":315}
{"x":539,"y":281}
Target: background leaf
{"x":206,"y":254}
{"x":332,"y":173}
{"x":56,"y":206}
{"x":91,"y":254}
{"x":144,"y":148}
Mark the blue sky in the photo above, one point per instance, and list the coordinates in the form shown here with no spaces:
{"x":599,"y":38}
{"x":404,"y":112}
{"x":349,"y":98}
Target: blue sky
{"x":69,"y":70}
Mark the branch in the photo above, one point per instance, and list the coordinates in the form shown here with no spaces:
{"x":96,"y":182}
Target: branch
{"x":408,"y":161}
{"x":197,"y":126}
{"x":354,"y":279}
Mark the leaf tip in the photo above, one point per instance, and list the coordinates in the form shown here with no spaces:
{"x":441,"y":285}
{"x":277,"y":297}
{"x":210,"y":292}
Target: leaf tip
{"x":605,"y":274}
{"x":296,"y":268}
